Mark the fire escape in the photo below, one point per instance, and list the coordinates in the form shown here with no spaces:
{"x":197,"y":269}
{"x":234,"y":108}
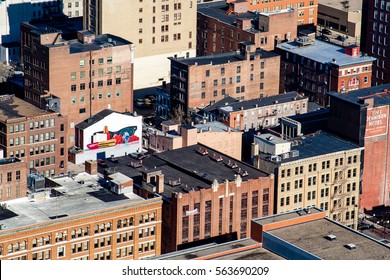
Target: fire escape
{"x":337,"y":198}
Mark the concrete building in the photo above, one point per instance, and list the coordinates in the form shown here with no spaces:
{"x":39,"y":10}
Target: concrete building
{"x":36,"y":136}
{"x":12,"y":14}
{"x":307,"y":9}
{"x":13,"y":179}
{"x":78,"y":219}
{"x":207,"y":195}
{"x":341,"y":16}
{"x":375,"y":38}
{"x":215,"y":135}
{"x":198,"y":82}
{"x":315,"y":67}
{"x":73,"y":8}
{"x":78,"y":78}
{"x":313,"y":170}
{"x":363,"y":117}
{"x":257,"y":113}
{"x":107,"y":134}
{"x":304,"y":234}
{"x":221,"y":30}
{"x":158,"y":30}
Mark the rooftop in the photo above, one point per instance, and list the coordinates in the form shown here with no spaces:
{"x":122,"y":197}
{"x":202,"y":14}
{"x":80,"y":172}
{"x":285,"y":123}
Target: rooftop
{"x":5,"y":161}
{"x":235,"y":105}
{"x":224,"y":251}
{"x":325,"y":53}
{"x":310,"y":236}
{"x":381,"y":95}
{"x":81,"y":195}
{"x":96,"y":118}
{"x":12,"y":107}
{"x":187,"y":169}
{"x":100,"y":42}
{"x":350,"y":6}
{"x":215,"y":127}
{"x":218,"y":10}
{"x":317,"y":144}
{"x":222,"y":58}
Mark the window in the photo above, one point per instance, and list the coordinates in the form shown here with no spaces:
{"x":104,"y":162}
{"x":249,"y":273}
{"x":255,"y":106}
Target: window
{"x":101,"y":60}
{"x":207,"y":73}
{"x":118,"y":81}
{"x":73,"y":76}
{"x":118,"y":69}
{"x":73,"y":88}
{"x":82,"y":62}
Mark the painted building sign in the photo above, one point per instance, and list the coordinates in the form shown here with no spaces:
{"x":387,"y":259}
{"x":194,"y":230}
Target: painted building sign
{"x":377,"y":121}
{"x":107,"y":138}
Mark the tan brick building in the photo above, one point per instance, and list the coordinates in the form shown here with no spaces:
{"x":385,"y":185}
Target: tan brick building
{"x":13,"y":179}
{"x":220,"y":31}
{"x":87,"y":75}
{"x":159,"y":29}
{"x":88,"y":222}
{"x":215,"y":135}
{"x":36,"y":136}
{"x":314,"y":170}
{"x":248,"y":74}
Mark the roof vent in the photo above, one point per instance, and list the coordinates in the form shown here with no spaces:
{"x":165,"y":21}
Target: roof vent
{"x":330,"y":237}
{"x":350,"y":246}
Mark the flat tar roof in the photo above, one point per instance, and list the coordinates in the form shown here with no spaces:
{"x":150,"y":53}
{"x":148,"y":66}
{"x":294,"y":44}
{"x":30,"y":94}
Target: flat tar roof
{"x":324,"y":53}
{"x":310,"y":236}
{"x":238,"y":105}
{"x":195,"y":171}
{"x":223,"y":252}
{"x":69,"y":199}
{"x":381,"y":95}
{"x":222,"y":58}
{"x":14,"y":108}
{"x":317,"y":144}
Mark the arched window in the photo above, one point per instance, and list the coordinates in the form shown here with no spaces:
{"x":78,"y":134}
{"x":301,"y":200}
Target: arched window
{"x":125,"y":223}
{"x":141,"y":219}
{"x":40,"y":241}
{"x":119,"y":224}
{"x":16,"y":247}
{"x":131,"y":222}
{"x":152,"y":216}
{"x":34,"y":242}
{"x":147,"y":218}
{"x":73,"y":234}
{"x":47,"y":240}
{"x":23,"y":245}
{"x":10,"y":248}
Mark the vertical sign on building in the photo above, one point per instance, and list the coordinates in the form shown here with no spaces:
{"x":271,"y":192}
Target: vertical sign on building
{"x":377,"y":121}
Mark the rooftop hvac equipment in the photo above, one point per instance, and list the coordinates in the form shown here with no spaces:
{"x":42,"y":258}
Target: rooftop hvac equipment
{"x":330,"y":237}
{"x":351,"y":246}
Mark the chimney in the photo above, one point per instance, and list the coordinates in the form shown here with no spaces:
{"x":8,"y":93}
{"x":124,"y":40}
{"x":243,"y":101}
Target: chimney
{"x":160,"y":183}
{"x":91,"y":167}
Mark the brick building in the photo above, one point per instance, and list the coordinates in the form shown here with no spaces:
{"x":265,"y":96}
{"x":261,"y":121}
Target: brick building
{"x":257,"y":113}
{"x":215,"y":135}
{"x":313,"y":170}
{"x":13,"y":179}
{"x":304,"y":234}
{"x":363,"y":117}
{"x":36,"y":136}
{"x":375,"y":38}
{"x":84,"y":76}
{"x":315,"y":67}
{"x":307,"y":9}
{"x":81,"y":221}
{"x":207,"y":196}
{"x":220,"y":30}
{"x":201,"y":81}
{"x":159,"y":29}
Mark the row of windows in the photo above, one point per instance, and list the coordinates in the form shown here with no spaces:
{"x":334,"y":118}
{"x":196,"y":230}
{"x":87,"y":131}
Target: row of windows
{"x":42,"y":137}
{"x":100,"y":61}
{"x":313,"y":167}
{"x":100,"y":95}
{"x":9,"y":176}
{"x":9,"y":192}
{"x":100,"y":72}
{"x":100,"y":84}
